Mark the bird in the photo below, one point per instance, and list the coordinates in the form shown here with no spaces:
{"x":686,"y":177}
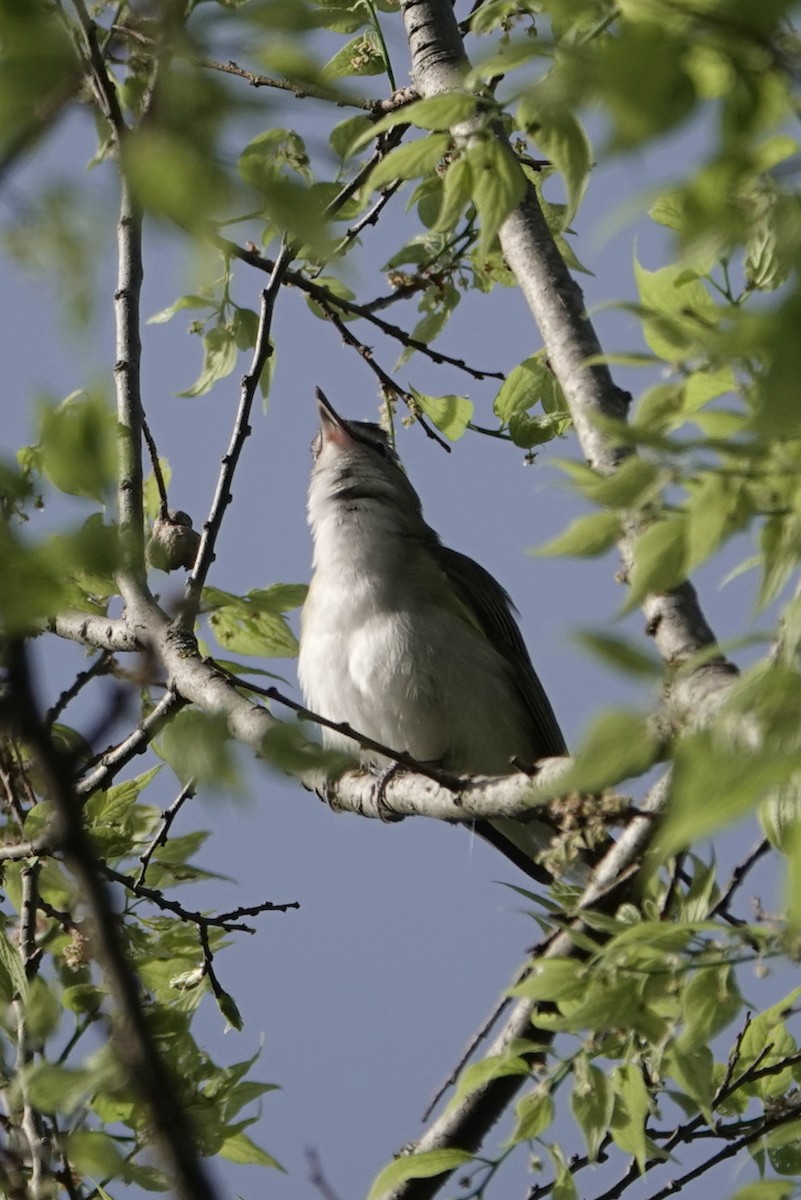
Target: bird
{"x":408,"y":642}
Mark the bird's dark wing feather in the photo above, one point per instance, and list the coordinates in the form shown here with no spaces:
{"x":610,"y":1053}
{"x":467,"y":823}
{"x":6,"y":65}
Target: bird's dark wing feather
{"x":492,"y":608}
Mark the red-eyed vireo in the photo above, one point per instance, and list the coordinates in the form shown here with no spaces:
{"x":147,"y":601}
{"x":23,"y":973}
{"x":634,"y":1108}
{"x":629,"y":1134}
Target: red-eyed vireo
{"x":410,"y":643}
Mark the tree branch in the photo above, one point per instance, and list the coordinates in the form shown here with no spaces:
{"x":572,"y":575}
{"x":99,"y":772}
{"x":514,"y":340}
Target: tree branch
{"x":465,"y":1123}
{"x":675,"y":619}
{"x":133,"y":1041}
{"x":103,"y":633}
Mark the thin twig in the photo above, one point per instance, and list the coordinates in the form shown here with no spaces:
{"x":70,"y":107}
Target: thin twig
{"x":386,"y":380}
{"x":738,"y":875}
{"x":301,"y":91}
{"x":167,"y":818}
{"x":137,"y":742}
{"x":101,"y":666}
{"x":104,"y":85}
{"x":366,"y":743}
{"x":229,"y":921}
{"x":317,"y":1176}
{"x":164,"y":508}
{"x":322,"y":294}
{"x":31,"y":1122}
{"x":239,"y":434}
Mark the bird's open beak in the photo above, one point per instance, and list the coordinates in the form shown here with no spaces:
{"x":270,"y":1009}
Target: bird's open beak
{"x":332,"y":427}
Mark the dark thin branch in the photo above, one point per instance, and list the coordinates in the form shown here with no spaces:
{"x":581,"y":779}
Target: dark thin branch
{"x":31,"y":1122}
{"x":104,"y":84}
{"x":366,"y":743}
{"x":317,"y":1176}
{"x":167,"y":818}
{"x":164,"y":508}
{"x":370,"y":217}
{"x":301,"y":91}
{"x":112,"y":762}
{"x":131,"y":1034}
{"x":230,"y":922}
{"x":322,"y":295}
{"x":101,"y":666}
{"x":387,"y":382}
{"x":738,"y":875}
{"x":730,"y":1151}
{"x":239,"y":434}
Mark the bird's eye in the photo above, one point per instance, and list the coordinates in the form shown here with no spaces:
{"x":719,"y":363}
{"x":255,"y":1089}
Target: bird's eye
{"x":381,"y":448}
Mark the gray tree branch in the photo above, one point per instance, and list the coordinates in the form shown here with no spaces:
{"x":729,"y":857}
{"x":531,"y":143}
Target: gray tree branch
{"x":439,"y":65}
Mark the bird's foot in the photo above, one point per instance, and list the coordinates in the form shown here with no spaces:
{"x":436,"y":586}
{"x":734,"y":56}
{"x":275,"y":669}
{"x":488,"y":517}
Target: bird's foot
{"x":385,"y":811}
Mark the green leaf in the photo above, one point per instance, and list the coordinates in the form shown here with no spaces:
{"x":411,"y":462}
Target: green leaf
{"x":621,"y":653}
{"x":272,"y":155}
{"x":254,"y":623}
{"x":286,"y":747}
{"x":56,"y":1089}
{"x":710,"y":1000}
{"x":585,"y":537}
{"x":115,"y":805}
{"x":552,"y":980}
{"x":408,"y":161}
{"x":641,"y":75}
{"x":592,"y":1102}
{"x":527,"y":431}
{"x":13,"y":980}
{"x":693,"y":1071}
{"x":562,"y":138}
{"x":197,"y":747}
{"x":767,"y":1041}
{"x":435,"y":112}
{"x":190,"y":301}
{"x":345,"y":137}
{"x":522,"y":388}
{"x":172,"y":177}
{"x":229,"y":1009}
{"x":457,"y":188}
{"x":241,"y":1149}
{"x":534,"y":1113}
{"x":362,"y":55}
{"x":767,"y":1189}
{"x":731,"y":780}
{"x":660,"y":555}
{"x":94,"y":1154}
{"x":619,"y":745}
{"x":450,"y":414}
{"x":716,"y":509}
{"x":631,"y":1111}
{"x":219,"y":360}
{"x":680,"y":313}
{"x":83,"y":998}
{"x":498,"y":184}
{"x":496,"y":1066}
{"x":78,"y":445}
{"x":416,"y":1166}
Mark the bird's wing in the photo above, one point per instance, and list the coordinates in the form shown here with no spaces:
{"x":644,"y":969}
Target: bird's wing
{"x":492,"y":609}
